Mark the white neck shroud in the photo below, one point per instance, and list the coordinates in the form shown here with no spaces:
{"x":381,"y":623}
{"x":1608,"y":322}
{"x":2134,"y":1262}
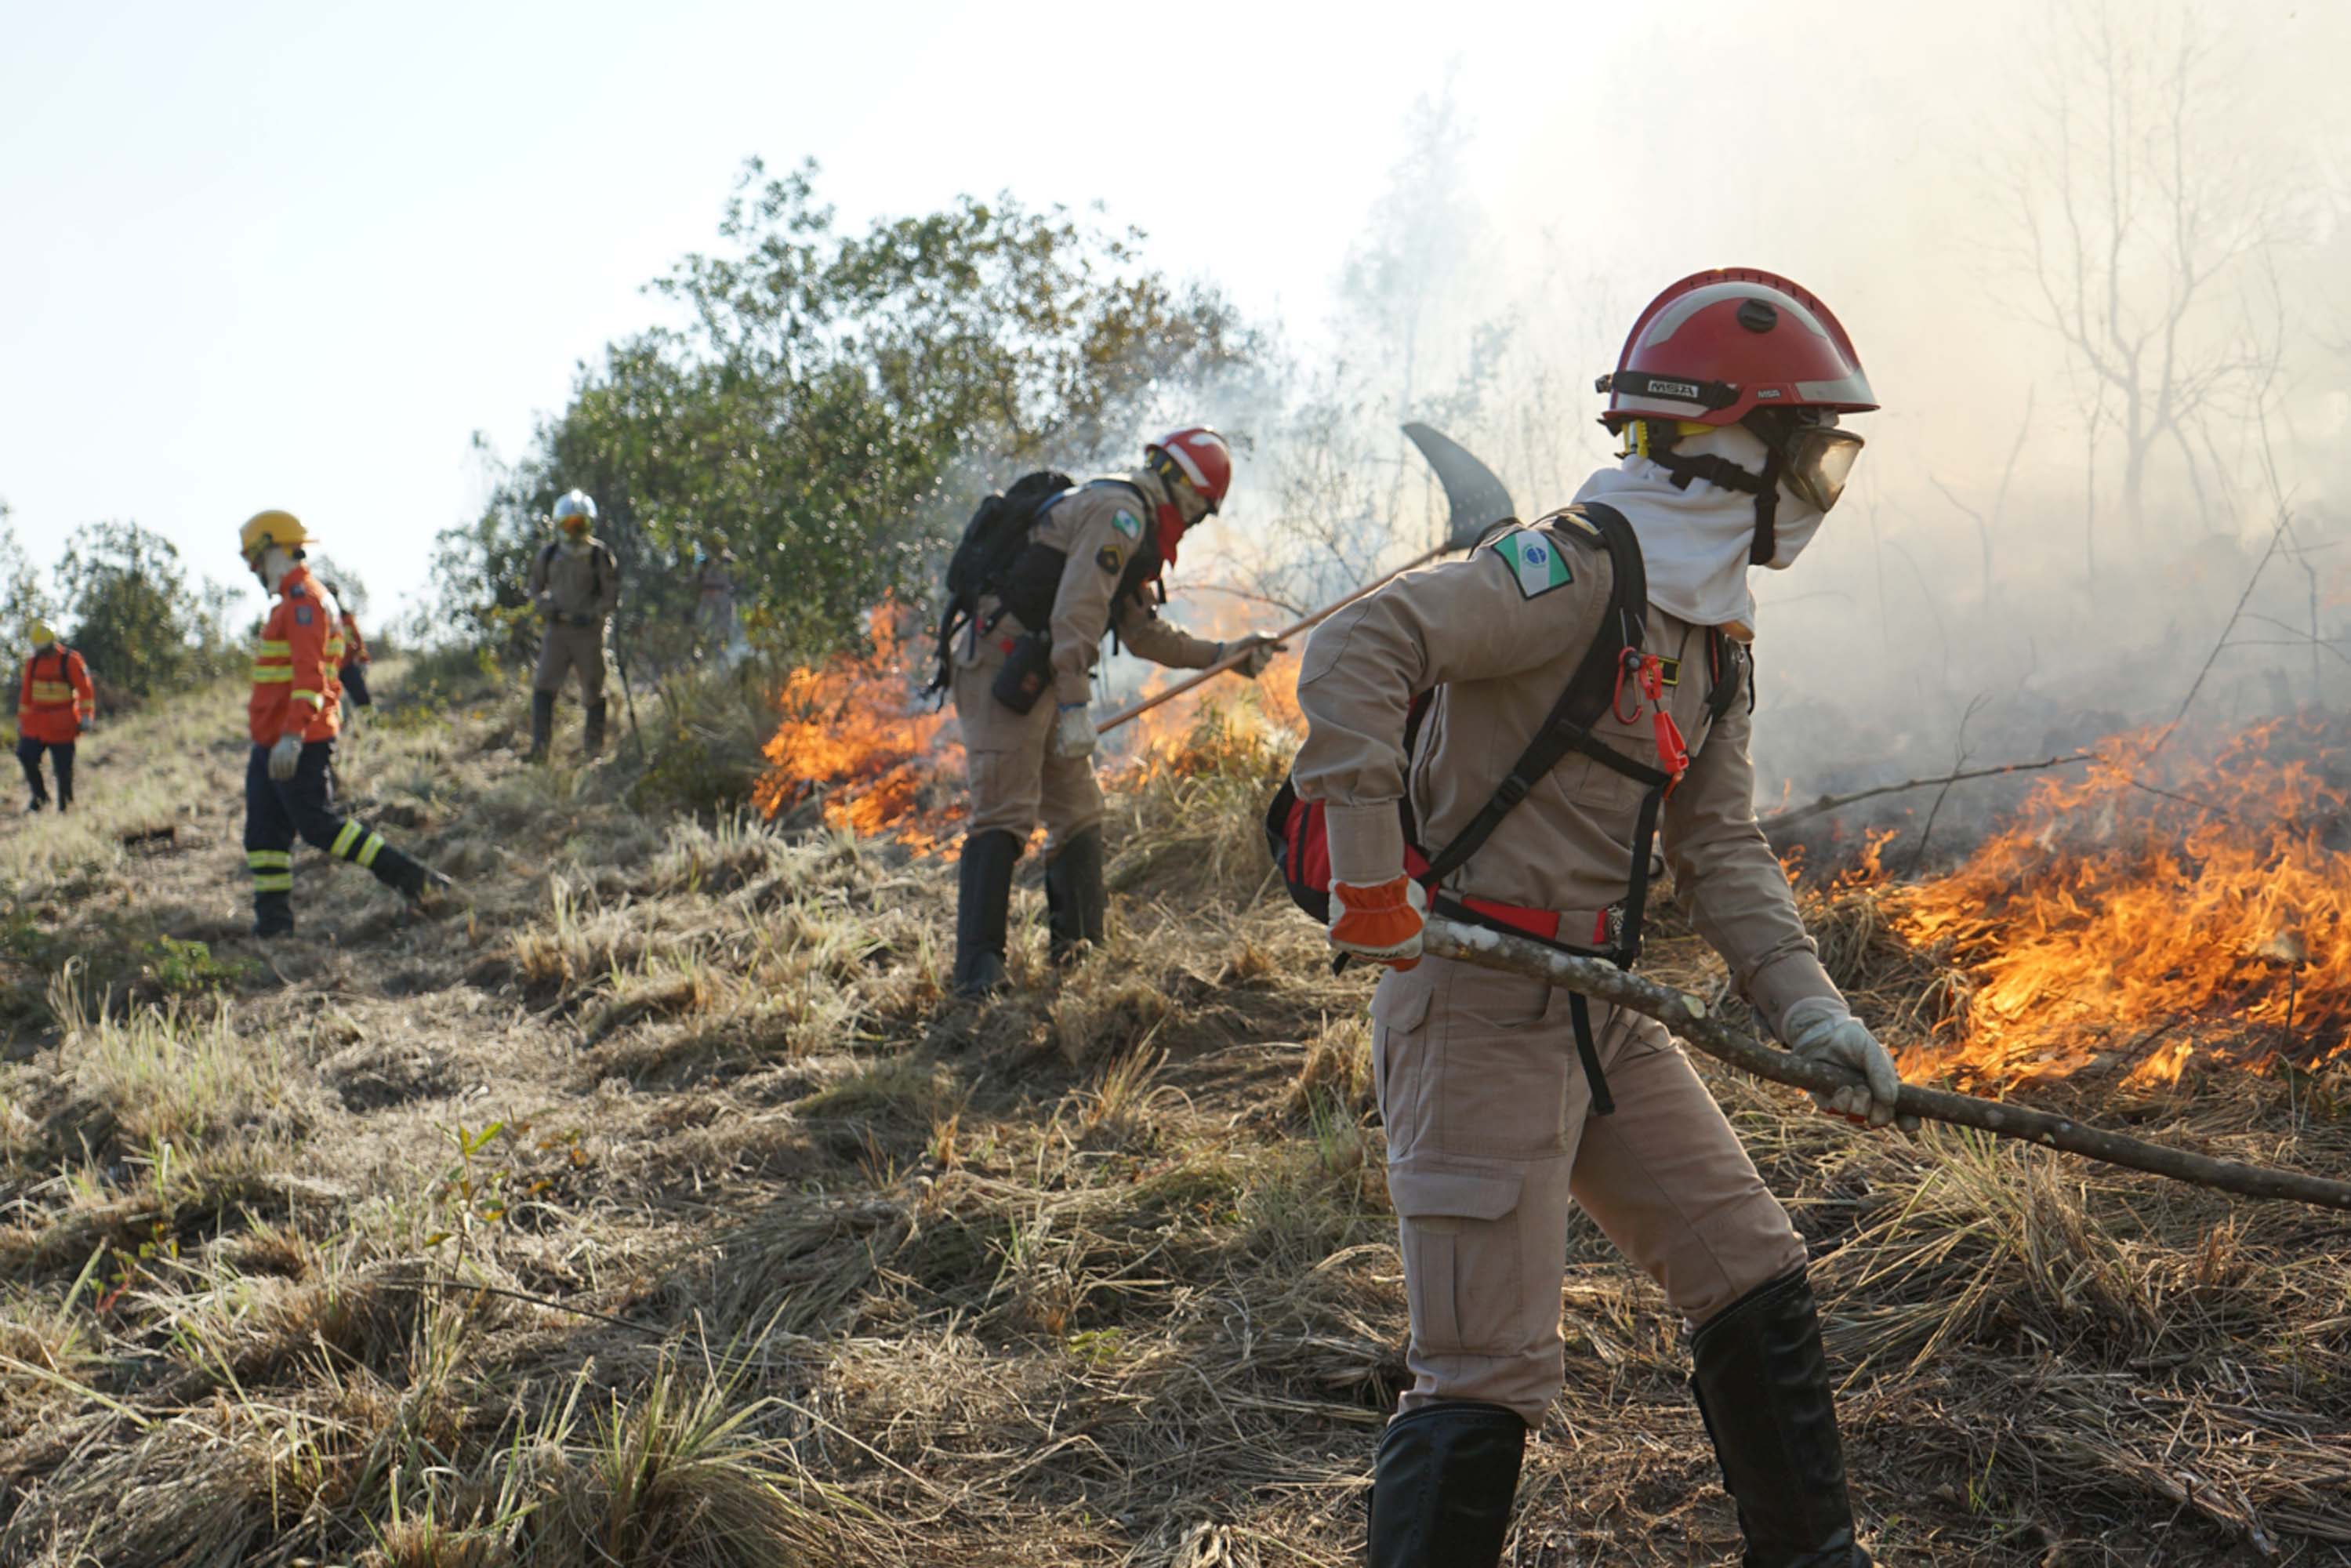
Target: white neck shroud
{"x":1695,"y":542}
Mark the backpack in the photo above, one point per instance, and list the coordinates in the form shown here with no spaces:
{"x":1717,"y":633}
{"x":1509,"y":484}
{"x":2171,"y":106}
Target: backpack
{"x":982,"y":563}
{"x":986,"y":558}
{"x":1296,"y":834}
{"x":546,"y":557}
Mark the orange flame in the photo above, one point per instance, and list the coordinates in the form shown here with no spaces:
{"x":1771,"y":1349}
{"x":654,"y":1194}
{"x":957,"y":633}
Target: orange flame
{"x":2158,"y":909}
{"x":856,"y":741}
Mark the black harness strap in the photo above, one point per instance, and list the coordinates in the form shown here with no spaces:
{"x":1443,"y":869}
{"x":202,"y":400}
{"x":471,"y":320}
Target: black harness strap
{"x":1590,"y":691}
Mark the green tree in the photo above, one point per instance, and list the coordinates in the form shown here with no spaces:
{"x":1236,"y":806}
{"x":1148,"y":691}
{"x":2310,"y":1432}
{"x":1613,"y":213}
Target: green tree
{"x":835,"y":402}
{"x":22,"y":602}
{"x":143,"y":627}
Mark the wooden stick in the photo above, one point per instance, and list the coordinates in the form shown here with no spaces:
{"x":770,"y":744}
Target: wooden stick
{"x":1828,"y":803}
{"x":1231,"y":661}
{"x":1687,"y":1015}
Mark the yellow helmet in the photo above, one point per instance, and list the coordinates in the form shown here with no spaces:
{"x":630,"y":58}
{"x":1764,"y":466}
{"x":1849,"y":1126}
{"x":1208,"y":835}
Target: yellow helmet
{"x":263,"y":529}
{"x":41,"y":635}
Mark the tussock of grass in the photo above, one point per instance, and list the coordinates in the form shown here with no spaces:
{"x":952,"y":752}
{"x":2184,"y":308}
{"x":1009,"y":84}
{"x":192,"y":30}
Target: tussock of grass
{"x":777,"y":1254}
{"x":159,"y":1077}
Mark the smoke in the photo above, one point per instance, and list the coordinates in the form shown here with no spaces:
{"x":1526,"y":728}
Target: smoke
{"x":2089,"y":253}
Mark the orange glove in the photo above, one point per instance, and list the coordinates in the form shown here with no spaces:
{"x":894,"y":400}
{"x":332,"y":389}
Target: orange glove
{"x":1381,"y":924}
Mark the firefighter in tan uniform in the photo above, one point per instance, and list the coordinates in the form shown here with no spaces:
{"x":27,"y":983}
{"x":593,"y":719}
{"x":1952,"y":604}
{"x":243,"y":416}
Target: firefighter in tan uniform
{"x":575,"y":584}
{"x":1091,"y":565}
{"x":1726,"y":394}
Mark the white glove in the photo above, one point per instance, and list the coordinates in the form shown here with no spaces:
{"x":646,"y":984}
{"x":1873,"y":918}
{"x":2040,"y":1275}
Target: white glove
{"x":1073,"y":731}
{"x":285,"y":757}
{"x":1257,"y":652}
{"x":1819,"y":1029}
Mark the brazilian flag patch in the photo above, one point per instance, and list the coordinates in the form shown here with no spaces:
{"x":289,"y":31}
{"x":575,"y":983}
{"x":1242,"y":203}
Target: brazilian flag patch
{"x":1534,"y":561}
{"x":1128,"y":524}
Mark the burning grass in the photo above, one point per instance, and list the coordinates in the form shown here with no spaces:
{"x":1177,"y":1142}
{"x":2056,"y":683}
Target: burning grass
{"x":662,"y":1209}
{"x":2172,"y":907}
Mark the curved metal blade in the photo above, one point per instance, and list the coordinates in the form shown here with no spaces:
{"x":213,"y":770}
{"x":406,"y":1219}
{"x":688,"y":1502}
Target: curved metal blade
{"x":1479,"y":500}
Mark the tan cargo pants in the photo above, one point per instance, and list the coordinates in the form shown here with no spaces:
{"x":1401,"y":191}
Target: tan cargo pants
{"x":1490,"y":1136}
{"x":1014,"y":782}
{"x":561,"y":650}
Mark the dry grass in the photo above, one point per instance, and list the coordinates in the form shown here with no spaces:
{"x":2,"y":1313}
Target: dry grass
{"x":661,"y":1208}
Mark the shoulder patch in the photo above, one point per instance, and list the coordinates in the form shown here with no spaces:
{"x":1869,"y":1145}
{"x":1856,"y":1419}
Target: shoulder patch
{"x":1109,"y":558}
{"x":1535,"y":563}
{"x":302,"y":615}
{"x":1127,"y":523}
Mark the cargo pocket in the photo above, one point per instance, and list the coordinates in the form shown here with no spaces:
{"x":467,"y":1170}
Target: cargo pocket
{"x":1591,"y":782}
{"x":1400,"y":1056}
{"x":1500,"y":1053}
{"x":1463,"y":1268}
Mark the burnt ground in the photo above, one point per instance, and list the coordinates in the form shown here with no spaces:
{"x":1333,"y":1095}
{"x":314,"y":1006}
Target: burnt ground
{"x":654,"y":1205}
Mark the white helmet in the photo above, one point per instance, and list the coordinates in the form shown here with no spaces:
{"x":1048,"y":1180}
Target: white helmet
{"x":579,"y":504}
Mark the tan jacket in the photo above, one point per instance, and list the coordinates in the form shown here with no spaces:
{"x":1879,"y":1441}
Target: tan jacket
{"x":575,"y":588}
{"x":1098,"y":528}
{"x":1499,"y":653}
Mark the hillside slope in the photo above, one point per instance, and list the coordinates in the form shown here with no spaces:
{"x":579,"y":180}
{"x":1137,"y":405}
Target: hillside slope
{"x":656,"y":1208}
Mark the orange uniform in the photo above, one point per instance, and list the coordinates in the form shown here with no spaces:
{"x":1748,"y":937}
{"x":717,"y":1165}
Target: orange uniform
{"x":295,"y":690}
{"x":354,"y":645}
{"x":55,"y":699}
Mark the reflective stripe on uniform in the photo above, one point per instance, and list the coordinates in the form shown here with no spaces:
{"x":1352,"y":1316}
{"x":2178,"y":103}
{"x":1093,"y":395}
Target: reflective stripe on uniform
{"x":265,"y":648}
{"x":273,"y":881}
{"x":52,"y":692}
{"x":270,"y":674}
{"x":369,"y":851}
{"x":341,"y":848}
{"x":313,"y":698}
{"x":334,"y":647}
{"x":268,"y":860}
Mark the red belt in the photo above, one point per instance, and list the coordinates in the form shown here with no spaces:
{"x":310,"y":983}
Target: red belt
{"x":1581,"y":927}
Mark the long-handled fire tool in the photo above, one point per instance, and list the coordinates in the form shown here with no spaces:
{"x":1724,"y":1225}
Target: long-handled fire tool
{"x":628,"y":692}
{"x":1687,"y":1015}
{"x":1478,"y":502}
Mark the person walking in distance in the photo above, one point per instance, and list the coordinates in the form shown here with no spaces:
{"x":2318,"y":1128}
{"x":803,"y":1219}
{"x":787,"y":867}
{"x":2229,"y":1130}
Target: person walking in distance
{"x":353,"y":672}
{"x":1506,"y":1099}
{"x":293,"y":717}
{"x":1087,"y":559}
{"x":55,"y":703}
{"x":575,"y":584}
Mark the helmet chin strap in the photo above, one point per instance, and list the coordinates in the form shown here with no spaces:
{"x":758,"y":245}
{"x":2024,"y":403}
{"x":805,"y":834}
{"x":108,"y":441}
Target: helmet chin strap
{"x":1656,"y":440}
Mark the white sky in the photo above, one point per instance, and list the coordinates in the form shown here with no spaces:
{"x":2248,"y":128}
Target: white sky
{"x":295,"y":255}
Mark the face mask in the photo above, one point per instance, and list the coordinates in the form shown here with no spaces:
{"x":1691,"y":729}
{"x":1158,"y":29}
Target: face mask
{"x":1804,"y":462}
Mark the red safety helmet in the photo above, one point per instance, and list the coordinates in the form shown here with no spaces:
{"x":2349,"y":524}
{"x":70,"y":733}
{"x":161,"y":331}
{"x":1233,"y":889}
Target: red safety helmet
{"x":1720,"y":344}
{"x":1201,"y":457}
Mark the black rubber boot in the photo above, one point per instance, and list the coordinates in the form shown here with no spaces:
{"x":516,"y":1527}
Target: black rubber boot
{"x":1762,"y":1385}
{"x":542,"y":725}
{"x":593,"y":746}
{"x":272,"y":915}
{"x":1442,"y":1486}
{"x":1076,"y":910}
{"x":406,"y":875}
{"x":983,"y":910}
